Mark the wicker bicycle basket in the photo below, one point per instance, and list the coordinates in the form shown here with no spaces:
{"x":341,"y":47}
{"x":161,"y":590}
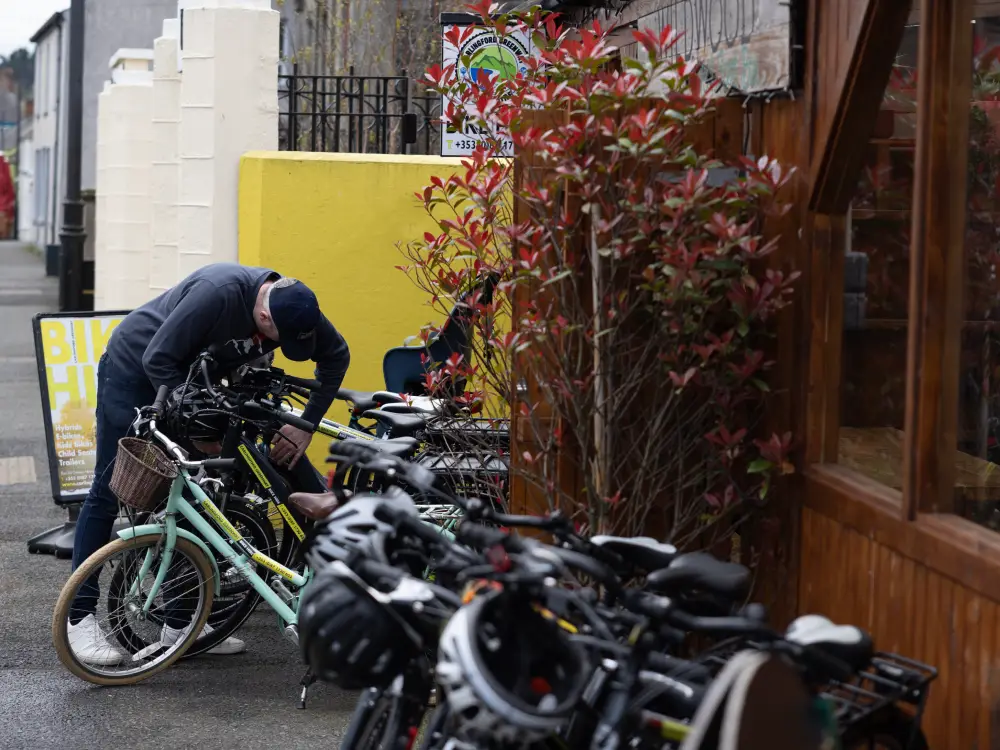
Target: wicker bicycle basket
{"x":142,"y":474}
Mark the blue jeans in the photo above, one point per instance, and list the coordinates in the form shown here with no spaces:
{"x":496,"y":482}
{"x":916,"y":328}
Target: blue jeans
{"x":119,"y":394}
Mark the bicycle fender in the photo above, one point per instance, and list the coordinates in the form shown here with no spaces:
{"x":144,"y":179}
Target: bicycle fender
{"x":155,"y":528}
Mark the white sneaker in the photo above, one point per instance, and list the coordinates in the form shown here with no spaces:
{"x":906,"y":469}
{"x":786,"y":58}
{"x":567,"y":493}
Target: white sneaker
{"x":169,"y":636}
{"x":91,"y":645}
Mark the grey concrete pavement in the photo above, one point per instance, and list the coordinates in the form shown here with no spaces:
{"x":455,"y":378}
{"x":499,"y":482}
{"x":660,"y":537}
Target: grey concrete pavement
{"x":246,"y":701}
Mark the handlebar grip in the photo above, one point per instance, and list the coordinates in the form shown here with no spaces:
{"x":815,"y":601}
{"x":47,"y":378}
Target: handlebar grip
{"x":306,"y":383}
{"x":161,"y":398}
{"x":299,"y":391}
{"x":222,"y":464}
{"x":291,"y":419}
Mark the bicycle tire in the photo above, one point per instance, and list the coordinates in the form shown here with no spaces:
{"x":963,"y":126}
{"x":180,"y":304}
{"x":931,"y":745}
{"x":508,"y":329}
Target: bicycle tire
{"x":230,"y":616}
{"x":60,"y":615}
{"x":229,"y":610}
{"x":381,"y":725}
{"x":890,"y":729}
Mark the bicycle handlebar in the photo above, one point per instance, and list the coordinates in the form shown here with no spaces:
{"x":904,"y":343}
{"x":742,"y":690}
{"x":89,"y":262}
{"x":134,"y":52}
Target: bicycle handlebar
{"x":250,"y":408}
{"x":304,"y":384}
{"x":161,"y":398}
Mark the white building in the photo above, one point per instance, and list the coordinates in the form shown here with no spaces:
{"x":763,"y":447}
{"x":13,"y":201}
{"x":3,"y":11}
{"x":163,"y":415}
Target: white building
{"x":26,"y":178}
{"x":47,"y":164}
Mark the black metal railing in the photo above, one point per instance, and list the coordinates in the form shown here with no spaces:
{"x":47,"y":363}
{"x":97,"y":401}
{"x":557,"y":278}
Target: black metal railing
{"x":356,"y":114}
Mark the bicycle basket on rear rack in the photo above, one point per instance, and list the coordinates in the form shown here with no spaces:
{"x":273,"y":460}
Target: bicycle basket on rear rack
{"x":142,"y":475}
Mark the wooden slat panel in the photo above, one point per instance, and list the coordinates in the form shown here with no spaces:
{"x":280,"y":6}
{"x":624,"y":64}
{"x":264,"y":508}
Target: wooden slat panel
{"x":916,"y":611}
{"x":986,"y":660}
{"x":969,"y":622}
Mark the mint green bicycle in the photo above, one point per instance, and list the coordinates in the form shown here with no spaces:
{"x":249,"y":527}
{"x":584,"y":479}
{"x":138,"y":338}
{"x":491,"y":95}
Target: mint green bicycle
{"x":160,"y":580}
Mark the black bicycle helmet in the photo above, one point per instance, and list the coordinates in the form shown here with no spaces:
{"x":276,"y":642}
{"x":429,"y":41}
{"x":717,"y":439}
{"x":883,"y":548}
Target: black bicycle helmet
{"x":191,"y":414}
{"x":357,"y":527}
{"x":509,"y":673}
{"x":348,"y":638}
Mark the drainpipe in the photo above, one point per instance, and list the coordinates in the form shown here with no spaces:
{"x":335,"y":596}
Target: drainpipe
{"x":17,"y":167}
{"x":71,"y":260}
{"x":55,"y":143}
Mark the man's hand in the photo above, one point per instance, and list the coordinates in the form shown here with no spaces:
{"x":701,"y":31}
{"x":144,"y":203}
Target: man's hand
{"x":289,"y":445}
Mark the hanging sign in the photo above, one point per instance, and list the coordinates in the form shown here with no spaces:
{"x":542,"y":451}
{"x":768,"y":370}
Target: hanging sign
{"x":745,"y":45}
{"x":485,"y":51}
{"x":68,"y":347}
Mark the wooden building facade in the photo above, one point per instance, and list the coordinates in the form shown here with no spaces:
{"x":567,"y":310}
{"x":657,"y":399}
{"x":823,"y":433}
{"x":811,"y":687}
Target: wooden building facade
{"x":889,"y":361}
{"x":891,"y":354}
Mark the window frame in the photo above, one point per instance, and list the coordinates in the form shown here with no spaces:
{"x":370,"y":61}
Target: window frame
{"x":936,"y":286}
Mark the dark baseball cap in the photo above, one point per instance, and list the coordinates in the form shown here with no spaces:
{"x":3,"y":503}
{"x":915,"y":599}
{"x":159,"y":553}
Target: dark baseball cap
{"x":295,"y":312}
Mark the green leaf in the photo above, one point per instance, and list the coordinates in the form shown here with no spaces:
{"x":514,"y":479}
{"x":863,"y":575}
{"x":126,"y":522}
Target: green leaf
{"x":761,"y":385}
{"x":760,"y":466}
{"x":743,"y":328}
{"x":558,"y":277}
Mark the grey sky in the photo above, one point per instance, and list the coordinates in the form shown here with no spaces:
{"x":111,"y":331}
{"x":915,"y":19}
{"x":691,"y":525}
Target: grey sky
{"x":19,"y":19}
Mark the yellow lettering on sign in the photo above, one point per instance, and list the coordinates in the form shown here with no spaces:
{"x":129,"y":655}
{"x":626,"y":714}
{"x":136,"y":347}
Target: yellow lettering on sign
{"x":99,"y":335}
{"x":55,"y":343}
{"x":71,"y":388}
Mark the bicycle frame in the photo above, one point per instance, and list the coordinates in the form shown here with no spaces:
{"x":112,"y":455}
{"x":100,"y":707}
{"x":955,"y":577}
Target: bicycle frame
{"x":233,"y":546}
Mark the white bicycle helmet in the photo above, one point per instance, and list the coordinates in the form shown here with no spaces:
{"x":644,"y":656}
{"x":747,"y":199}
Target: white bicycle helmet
{"x":509,"y":674}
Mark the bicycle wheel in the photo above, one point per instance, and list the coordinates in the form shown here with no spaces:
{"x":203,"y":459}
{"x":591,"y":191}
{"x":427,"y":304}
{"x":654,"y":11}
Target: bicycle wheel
{"x":380,"y":730}
{"x":188,"y":590}
{"x":237,"y":599}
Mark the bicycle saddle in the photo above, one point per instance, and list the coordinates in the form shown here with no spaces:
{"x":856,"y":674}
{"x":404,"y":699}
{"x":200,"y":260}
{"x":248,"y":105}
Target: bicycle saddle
{"x":417,"y":405}
{"x":365,"y":400}
{"x":641,"y":551}
{"x":397,"y":425}
{"x":698,"y":570}
{"x":314,"y":505}
{"x":401,"y":447}
{"x":846,"y":643}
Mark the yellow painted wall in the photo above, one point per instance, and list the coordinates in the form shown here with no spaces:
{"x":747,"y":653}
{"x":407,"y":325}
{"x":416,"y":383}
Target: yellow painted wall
{"x":333,"y":221}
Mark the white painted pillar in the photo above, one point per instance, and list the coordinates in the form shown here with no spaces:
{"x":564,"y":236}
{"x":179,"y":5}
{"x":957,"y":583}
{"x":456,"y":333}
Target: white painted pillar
{"x":105,"y":270}
{"x":229,"y":105}
{"x":123,"y":237}
{"x":165,"y":184}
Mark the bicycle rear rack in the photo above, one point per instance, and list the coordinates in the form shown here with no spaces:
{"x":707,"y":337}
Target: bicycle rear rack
{"x":888,"y":680}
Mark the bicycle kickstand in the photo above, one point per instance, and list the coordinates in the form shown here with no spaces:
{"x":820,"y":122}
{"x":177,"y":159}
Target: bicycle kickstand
{"x":305,"y":682}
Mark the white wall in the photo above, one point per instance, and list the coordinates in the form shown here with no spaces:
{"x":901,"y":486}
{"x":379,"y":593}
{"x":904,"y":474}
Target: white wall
{"x":26,"y":189}
{"x":123,"y":239}
{"x":229,"y":105}
{"x":165,"y":187}
{"x":169,"y":146}
{"x":48,"y":162}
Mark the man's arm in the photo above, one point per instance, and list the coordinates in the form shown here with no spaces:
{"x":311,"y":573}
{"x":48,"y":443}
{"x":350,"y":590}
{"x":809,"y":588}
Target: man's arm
{"x":332,"y":360}
{"x":184,"y":332}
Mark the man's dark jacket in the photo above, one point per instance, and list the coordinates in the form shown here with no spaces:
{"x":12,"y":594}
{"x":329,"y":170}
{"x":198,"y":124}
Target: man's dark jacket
{"x":214,"y":307}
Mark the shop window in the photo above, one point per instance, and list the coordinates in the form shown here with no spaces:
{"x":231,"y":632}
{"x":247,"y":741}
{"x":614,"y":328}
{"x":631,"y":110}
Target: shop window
{"x":977,"y":470}
{"x":876,"y":285}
